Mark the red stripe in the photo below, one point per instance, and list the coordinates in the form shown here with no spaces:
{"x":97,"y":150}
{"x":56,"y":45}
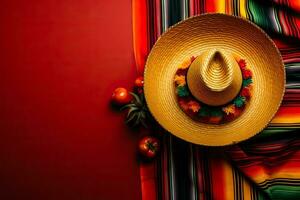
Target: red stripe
{"x":192,"y":7}
{"x":211,"y":7}
{"x":288,"y":111}
{"x":296,"y":22}
{"x":148,"y":181}
{"x":140,"y":31}
{"x":218,"y":178}
{"x":199,"y":171}
{"x":283,"y":23}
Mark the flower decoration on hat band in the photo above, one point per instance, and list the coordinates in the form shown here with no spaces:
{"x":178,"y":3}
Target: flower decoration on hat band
{"x":199,"y":111}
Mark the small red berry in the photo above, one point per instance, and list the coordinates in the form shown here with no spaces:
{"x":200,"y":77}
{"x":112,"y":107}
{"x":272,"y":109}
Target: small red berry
{"x":139,"y":82}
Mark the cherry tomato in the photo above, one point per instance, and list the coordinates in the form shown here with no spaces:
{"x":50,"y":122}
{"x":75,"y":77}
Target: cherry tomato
{"x":121,"y":96}
{"x":139,"y":82}
{"x":149,"y":146}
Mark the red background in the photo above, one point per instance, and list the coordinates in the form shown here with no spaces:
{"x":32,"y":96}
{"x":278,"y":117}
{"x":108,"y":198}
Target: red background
{"x":59,"y":139}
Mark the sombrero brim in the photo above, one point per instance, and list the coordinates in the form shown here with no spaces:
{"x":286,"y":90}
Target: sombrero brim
{"x":194,"y":36}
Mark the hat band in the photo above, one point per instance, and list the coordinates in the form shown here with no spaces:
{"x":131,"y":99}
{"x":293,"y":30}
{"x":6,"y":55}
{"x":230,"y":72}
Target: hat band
{"x":202,"y":112}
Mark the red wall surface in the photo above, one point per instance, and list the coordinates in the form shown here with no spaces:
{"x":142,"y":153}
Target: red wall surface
{"x":59,"y":139}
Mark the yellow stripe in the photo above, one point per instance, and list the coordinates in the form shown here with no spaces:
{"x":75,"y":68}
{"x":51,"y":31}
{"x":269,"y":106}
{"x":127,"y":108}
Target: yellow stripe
{"x":243,"y":8}
{"x":286,"y":119}
{"x":291,"y":173}
{"x":247,"y":190}
{"x":220,"y":6}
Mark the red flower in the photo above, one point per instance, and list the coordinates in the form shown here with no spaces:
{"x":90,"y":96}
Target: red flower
{"x":183,"y":105}
{"x":246,"y":92}
{"x":246,"y":73}
{"x":242,"y":63}
{"x":193,"y":106}
{"x":237,"y":112}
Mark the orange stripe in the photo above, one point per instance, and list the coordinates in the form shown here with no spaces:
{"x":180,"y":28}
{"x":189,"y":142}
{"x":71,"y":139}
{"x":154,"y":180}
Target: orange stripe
{"x":287,"y":115}
{"x":229,"y":187}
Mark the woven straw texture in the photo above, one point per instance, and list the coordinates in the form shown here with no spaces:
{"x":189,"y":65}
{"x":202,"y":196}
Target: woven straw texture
{"x":214,"y":78}
{"x":200,"y":34}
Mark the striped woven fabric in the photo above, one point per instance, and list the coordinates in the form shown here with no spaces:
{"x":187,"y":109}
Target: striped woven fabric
{"x":265,"y":167}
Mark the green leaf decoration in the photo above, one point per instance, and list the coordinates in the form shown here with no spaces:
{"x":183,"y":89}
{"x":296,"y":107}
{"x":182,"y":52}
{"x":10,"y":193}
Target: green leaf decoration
{"x":182,"y":91}
{"x":138,"y":113}
{"x":131,"y":110}
{"x":239,"y":101}
{"x":203,"y":112}
{"x":247,"y":82}
{"x":131,"y":117}
{"x":127,"y":106}
{"x":215,"y":112}
{"x":138,"y":100}
{"x":137,"y":121}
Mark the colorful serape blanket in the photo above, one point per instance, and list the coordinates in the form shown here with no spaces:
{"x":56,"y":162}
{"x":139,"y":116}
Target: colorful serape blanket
{"x":264,"y":167}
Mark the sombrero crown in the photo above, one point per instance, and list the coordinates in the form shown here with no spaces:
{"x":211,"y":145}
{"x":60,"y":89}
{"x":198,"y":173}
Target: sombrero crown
{"x":214,"y":77}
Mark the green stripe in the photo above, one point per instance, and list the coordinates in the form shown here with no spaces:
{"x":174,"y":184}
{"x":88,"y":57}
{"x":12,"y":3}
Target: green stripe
{"x":260,"y":15}
{"x":277,"y":20}
{"x":282,"y":192}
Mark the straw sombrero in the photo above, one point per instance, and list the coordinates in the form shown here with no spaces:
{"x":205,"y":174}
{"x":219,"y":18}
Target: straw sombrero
{"x":214,"y":80}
